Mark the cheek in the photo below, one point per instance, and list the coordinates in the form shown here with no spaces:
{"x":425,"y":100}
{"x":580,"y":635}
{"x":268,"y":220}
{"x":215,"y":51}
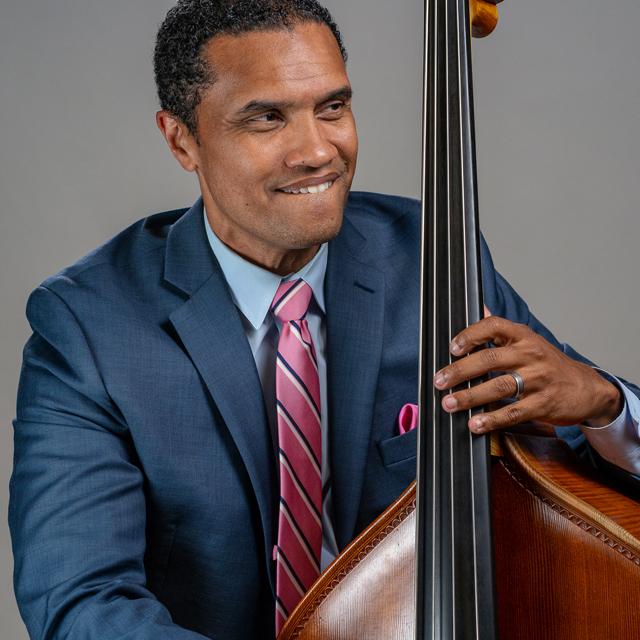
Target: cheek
{"x":255,"y":171}
{"x":347,"y":142}
{"x":240,"y":176}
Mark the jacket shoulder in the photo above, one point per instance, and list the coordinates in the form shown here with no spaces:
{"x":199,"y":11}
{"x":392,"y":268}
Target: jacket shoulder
{"x":130,"y":248}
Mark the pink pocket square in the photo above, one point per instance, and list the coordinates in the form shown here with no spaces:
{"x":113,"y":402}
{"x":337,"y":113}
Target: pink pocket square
{"x":407,"y":418}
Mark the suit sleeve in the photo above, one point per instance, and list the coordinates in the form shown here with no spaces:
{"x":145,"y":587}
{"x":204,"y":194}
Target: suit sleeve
{"x":77,"y":506}
{"x":504,"y":301}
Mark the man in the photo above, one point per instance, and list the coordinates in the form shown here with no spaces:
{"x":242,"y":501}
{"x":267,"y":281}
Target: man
{"x":209,"y":400}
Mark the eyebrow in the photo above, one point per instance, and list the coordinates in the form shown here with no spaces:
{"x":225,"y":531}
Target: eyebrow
{"x":255,"y":106}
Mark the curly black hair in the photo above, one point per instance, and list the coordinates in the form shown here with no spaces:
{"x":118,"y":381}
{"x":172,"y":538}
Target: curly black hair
{"x":182,"y":74}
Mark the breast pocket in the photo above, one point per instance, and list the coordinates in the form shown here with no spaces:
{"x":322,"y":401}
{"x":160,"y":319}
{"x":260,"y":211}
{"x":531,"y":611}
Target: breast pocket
{"x":399,"y":449}
{"x":389,"y":473}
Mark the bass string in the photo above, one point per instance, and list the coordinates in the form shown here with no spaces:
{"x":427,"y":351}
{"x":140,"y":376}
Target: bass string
{"x":434,"y":466}
{"x":456,"y":39}
{"x":463,"y":34}
{"x":448,"y":154}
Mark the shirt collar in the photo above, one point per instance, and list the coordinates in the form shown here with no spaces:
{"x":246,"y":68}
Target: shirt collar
{"x":253,"y":288}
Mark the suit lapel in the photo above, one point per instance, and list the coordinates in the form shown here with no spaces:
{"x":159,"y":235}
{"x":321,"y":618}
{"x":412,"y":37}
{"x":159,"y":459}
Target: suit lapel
{"x":355,"y":315}
{"x":212,"y":333}
{"x":211,"y":330}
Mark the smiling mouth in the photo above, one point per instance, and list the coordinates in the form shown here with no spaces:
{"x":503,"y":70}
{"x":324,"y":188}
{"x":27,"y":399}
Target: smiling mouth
{"x":310,"y":189}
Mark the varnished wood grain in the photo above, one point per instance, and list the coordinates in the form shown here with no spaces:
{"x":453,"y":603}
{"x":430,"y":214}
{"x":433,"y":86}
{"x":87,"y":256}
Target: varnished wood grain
{"x":351,"y":599}
{"x":558,"y":577}
{"x":575,"y":482}
{"x":561,"y":574}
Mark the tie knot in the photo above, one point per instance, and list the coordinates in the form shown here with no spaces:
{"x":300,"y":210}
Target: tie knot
{"x":291,"y":300}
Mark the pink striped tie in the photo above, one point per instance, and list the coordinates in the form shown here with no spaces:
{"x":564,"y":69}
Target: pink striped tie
{"x":297,"y":553}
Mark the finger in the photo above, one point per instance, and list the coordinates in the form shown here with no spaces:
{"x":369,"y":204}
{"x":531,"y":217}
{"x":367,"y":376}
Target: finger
{"x":477,"y":365}
{"x":509,"y":416}
{"x":481,"y":394}
{"x":494,"y":329}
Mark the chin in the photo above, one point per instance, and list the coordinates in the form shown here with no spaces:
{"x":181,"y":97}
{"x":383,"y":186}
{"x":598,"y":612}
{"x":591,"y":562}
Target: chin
{"x":330,"y":229}
{"x":318,"y":235}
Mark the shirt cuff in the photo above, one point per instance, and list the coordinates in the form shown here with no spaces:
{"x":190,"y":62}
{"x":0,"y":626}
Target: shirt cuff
{"x":619,"y":441}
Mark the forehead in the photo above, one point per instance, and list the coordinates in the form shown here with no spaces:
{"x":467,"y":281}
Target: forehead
{"x":297,"y":63}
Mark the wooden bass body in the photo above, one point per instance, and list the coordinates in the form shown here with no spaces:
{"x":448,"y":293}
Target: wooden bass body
{"x":566,"y":548}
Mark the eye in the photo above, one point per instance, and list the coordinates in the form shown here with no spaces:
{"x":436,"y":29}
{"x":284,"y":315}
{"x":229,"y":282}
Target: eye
{"x":334,"y":109}
{"x":268,"y":118}
{"x":267,"y":121}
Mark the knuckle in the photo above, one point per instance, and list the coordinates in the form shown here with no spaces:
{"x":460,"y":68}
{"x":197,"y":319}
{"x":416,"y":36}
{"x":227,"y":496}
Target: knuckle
{"x":541,"y":378}
{"x":513,"y":414}
{"x":520,"y":332}
{"x":495,"y":323}
{"x":490,"y":357}
{"x":536,"y":351}
{"x":504,"y":386}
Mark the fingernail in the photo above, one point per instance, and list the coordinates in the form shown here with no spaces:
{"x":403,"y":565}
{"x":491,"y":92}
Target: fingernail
{"x":450,"y":403}
{"x":477,"y":424}
{"x":456,"y":346}
{"x":440,"y":379}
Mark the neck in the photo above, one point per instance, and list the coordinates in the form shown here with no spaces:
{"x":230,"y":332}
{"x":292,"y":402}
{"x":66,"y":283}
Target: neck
{"x":282,"y":265}
{"x":280,"y":262}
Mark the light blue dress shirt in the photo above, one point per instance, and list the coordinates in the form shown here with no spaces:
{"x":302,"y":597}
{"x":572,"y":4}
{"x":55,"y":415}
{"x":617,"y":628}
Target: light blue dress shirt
{"x":619,"y":442}
{"x":253,"y":289}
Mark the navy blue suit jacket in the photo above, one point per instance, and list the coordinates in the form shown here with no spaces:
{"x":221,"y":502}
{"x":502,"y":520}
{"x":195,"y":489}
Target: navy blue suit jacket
{"x":143,"y":498}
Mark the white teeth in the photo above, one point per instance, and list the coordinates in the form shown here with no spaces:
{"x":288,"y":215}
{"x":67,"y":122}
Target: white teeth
{"x":321,"y":188}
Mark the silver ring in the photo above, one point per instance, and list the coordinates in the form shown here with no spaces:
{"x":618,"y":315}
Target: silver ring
{"x":519,"y":383}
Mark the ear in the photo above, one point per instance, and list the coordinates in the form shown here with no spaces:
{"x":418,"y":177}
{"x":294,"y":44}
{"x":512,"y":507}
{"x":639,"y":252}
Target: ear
{"x":181,"y":142}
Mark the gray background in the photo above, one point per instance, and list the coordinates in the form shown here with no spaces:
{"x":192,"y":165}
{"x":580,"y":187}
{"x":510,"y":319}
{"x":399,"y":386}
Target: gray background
{"x":558,"y":115}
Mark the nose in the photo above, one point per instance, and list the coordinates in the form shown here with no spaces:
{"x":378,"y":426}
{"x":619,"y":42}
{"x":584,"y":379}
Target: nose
{"x":310,"y":145}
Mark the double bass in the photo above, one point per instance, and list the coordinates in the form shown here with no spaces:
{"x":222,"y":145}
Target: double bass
{"x":507,"y":536}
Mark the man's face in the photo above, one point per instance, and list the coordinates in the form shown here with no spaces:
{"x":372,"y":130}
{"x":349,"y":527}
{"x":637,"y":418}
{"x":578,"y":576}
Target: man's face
{"x":277,"y":143}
